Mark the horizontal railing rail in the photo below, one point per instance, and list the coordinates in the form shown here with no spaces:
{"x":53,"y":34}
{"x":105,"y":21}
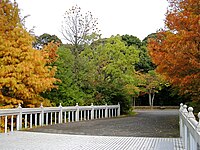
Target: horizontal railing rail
{"x":189,"y":128}
{"x":19,"y":118}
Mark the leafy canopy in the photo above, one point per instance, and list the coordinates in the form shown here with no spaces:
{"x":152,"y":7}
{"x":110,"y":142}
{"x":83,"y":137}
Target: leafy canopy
{"x":112,"y":70}
{"x":74,"y":87}
{"x":145,"y":63}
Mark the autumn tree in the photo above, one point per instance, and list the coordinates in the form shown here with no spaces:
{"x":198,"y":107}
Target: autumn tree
{"x":176,"y":49}
{"x":78,"y":28}
{"x":24,"y":71}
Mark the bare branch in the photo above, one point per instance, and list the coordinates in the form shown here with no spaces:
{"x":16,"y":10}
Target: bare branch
{"x":78,"y":28}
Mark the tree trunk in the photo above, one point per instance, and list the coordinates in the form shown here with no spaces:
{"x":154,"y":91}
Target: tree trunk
{"x":152,"y":99}
{"x":149,"y":99}
{"x":134,"y":102}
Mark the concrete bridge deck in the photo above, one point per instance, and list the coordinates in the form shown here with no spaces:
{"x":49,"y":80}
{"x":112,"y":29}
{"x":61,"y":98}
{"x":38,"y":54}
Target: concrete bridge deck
{"x":46,"y":141}
{"x":148,"y":130}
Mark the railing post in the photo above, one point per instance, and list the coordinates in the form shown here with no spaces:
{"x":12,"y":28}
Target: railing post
{"x":192,"y":145}
{"x":106,"y":111}
{"x":185,"y":112}
{"x":181,"y":121}
{"x":31,"y":120}
{"x":77,"y":112}
{"x":198,"y":125}
{"x":181,"y":107}
{"x":6,"y":124}
{"x":198,"y":129}
{"x":11,"y":123}
{"x":118,"y":112}
{"x":69,"y":116}
{"x":41,"y":115}
{"x":185,"y":130}
{"x":92,"y":111}
{"x":19,"y":118}
{"x":0,"y":124}
{"x":60,"y":114}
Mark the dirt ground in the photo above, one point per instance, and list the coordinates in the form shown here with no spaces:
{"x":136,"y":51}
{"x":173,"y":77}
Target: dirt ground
{"x":146,"y":123}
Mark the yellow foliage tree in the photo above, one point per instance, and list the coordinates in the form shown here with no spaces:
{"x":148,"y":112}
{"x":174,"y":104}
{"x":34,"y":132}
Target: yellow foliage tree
{"x":24,"y":71}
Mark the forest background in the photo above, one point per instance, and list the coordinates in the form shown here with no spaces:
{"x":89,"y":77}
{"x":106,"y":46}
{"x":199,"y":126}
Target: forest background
{"x":162,"y":69}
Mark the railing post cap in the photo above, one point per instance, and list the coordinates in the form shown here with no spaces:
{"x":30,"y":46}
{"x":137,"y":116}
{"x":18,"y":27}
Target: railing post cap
{"x":190,"y":109}
{"x":41,"y":105}
{"x":92,"y":104}
{"x":60,"y":105}
{"x":19,"y":105}
{"x":76,"y":104}
{"x":190,"y":113}
{"x":184,"y":110}
{"x":181,"y":107}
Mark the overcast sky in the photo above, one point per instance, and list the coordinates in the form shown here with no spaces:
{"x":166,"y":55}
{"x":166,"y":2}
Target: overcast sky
{"x":133,"y":17}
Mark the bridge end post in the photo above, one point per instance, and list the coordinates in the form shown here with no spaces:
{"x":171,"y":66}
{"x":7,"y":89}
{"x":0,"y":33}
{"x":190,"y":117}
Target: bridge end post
{"x":181,"y":121}
{"x":106,"y":111}
{"x":19,"y":117}
{"x":77,"y":112}
{"x":60,"y":120}
{"x":41,"y":117}
{"x":92,"y":111}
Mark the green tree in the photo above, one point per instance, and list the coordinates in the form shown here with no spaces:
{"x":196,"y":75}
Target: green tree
{"x":112,"y":66}
{"x":131,"y":40}
{"x":150,"y":36}
{"x":44,"y":39}
{"x":145,"y":64}
{"x":113,"y":60}
{"x":74,"y":86}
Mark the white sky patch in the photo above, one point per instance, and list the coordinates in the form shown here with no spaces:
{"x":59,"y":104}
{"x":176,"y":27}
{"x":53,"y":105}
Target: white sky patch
{"x":134,"y":17}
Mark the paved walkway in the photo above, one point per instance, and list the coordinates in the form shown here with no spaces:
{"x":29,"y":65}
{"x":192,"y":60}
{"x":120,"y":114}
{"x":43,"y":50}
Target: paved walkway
{"x":132,"y":133}
{"x":149,"y":123}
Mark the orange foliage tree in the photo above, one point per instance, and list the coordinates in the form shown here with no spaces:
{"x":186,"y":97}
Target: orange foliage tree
{"x":24,"y":71}
{"x":176,"y":50}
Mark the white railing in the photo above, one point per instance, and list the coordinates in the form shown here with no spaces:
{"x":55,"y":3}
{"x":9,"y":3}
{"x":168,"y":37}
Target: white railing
{"x":189,"y":128}
{"x":18,"y":118}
